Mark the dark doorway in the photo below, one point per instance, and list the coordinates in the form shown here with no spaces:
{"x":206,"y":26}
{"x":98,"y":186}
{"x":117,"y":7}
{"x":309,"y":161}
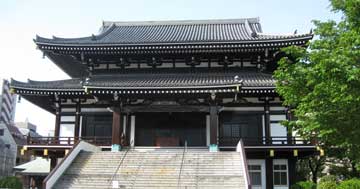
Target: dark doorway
{"x":235,"y":126}
{"x":170,"y":129}
{"x":99,"y":125}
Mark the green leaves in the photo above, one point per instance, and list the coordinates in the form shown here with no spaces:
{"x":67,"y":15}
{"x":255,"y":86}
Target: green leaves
{"x":322,"y":82}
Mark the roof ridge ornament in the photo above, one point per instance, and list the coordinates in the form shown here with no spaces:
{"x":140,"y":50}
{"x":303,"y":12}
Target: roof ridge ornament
{"x":93,"y":37}
{"x":249,"y":29}
{"x":181,"y":22}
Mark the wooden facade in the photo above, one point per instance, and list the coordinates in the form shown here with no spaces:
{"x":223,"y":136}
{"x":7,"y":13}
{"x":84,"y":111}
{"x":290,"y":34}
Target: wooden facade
{"x":167,"y":84}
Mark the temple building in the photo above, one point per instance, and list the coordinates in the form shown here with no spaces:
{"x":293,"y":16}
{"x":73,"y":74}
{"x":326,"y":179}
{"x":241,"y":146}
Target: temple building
{"x":201,"y":85}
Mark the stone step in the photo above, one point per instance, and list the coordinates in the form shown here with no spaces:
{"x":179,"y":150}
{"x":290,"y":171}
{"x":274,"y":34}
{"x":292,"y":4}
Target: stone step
{"x":155,"y":169}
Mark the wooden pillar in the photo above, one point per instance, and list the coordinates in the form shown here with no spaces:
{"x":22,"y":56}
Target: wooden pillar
{"x":292,"y":170}
{"x":267,"y":121}
{"x":77,"y":121}
{"x":269,"y":173}
{"x":132,"y":130}
{"x":128,"y":129}
{"x":289,"y":130}
{"x":57,"y":125}
{"x":214,"y":125}
{"x":116,"y":128}
{"x":53,"y":163}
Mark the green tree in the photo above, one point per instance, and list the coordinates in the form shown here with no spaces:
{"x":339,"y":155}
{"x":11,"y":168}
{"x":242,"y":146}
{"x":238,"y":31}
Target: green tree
{"x":321,"y":84}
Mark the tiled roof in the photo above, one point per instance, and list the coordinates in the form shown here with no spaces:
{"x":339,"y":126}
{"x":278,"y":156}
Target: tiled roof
{"x":174,"y":32}
{"x":134,"y":81}
{"x":68,"y":84}
{"x":184,"y":80}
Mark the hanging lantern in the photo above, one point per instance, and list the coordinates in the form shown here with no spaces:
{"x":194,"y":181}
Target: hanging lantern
{"x":12,"y":91}
{"x":66,"y":151}
{"x":22,"y":152}
{"x":322,"y":152}
{"x":46,"y":152}
{"x":296,"y":153}
{"x":272,"y":153}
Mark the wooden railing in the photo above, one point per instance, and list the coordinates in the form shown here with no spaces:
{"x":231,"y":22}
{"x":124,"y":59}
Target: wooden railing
{"x":68,"y":141}
{"x":223,"y":141}
{"x":265,"y":141}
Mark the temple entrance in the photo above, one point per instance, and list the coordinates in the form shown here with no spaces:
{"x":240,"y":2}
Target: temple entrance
{"x":235,"y":126}
{"x":170,"y":129}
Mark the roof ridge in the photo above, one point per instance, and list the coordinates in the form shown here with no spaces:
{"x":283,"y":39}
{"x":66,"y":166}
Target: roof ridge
{"x":181,"y":22}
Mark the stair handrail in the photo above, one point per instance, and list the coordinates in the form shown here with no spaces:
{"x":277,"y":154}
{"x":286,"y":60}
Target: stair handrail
{"x":120,"y":163}
{"x":181,"y":165}
{"x":61,"y":167}
{"x":240,"y":148}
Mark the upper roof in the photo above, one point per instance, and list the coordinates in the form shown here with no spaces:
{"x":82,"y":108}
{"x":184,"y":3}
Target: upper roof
{"x":174,"y":32}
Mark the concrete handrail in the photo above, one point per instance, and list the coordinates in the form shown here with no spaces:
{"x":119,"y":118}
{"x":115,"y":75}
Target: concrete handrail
{"x":60,"y":168}
{"x":240,"y":149}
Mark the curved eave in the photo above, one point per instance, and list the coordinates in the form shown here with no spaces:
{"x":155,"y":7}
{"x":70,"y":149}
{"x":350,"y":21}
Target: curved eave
{"x":229,"y":89}
{"x":46,"y":87}
{"x":286,"y":39}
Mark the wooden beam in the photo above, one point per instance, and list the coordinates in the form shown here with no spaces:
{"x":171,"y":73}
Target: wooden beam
{"x":166,"y":108}
{"x":116,"y":128}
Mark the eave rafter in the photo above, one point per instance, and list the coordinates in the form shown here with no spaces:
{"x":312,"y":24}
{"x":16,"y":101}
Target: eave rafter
{"x":230,"y":47}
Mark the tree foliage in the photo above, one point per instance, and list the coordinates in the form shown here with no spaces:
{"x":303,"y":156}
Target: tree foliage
{"x":11,"y":182}
{"x":322,"y":83}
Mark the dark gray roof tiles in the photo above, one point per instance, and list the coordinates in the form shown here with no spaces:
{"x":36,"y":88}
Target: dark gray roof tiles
{"x":186,"y":80}
{"x":68,"y":84}
{"x":173,"y":32}
{"x":157,"y":81}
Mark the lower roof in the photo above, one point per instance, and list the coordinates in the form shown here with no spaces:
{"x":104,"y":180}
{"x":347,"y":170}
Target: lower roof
{"x":205,"y":79}
{"x":155,"y":83}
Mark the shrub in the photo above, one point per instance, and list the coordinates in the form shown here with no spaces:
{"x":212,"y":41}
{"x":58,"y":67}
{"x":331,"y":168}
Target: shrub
{"x":328,"y":178}
{"x":350,"y":184}
{"x":327,"y":185}
{"x":304,"y":185}
{"x":11,"y":182}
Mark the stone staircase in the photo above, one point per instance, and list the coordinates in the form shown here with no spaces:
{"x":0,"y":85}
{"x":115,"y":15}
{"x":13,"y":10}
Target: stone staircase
{"x":155,"y":169}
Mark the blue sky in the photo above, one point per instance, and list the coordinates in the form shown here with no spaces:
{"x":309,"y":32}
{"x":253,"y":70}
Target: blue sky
{"x":21,"y":20}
